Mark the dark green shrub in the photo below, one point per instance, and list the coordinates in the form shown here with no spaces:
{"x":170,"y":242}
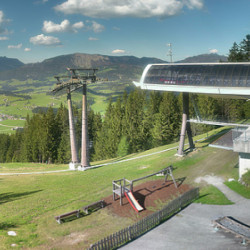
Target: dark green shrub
{"x":246,"y":178}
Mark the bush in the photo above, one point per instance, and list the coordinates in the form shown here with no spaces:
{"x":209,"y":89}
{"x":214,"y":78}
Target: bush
{"x":246,"y":178}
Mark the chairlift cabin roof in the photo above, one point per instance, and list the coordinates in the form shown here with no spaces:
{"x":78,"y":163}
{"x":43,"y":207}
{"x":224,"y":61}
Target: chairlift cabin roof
{"x":226,"y":79}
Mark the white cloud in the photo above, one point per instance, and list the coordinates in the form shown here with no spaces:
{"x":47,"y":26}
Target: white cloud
{"x":96,"y":27}
{"x":27,"y":49}
{"x":3,"y":21}
{"x":194,"y":4}
{"x":18,"y":46}
{"x":125,"y":8}
{"x":116,"y":28}
{"x":64,"y":26}
{"x":3,"y":38}
{"x":93,"y":39}
{"x":118,"y":51}
{"x":45,"y":40}
{"x":213,"y":51}
{"x":78,"y":25}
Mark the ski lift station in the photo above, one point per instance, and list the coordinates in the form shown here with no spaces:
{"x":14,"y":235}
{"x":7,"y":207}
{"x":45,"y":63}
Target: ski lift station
{"x":230,"y":80}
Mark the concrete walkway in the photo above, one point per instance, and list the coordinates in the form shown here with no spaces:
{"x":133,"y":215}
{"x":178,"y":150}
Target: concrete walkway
{"x":219,"y":183}
{"x":30,"y":173}
{"x":193,"y":229}
{"x":95,"y":166}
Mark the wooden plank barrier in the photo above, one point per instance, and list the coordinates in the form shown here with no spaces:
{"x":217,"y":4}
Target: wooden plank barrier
{"x":95,"y":205}
{"x":62,"y":216}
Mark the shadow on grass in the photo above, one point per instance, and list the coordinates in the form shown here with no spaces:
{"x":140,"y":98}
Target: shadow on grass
{"x":201,"y":196}
{"x":236,"y":166}
{"x":6,"y":225}
{"x":213,"y":138}
{"x":179,"y":181}
{"x":8,"y":197}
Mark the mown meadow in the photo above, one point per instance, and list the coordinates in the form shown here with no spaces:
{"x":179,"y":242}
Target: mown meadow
{"x":29,"y":203}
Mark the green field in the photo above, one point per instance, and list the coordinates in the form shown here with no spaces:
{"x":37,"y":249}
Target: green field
{"x":238,"y":188}
{"x":9,"y":126}
{"x":19,"y":98}
{"x":28,"y":203}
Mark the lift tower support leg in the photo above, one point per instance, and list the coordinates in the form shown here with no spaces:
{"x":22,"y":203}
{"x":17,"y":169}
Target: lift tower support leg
{"x":73,"y":144}
{"x":185,"y":126}
{"x":84,"y":155}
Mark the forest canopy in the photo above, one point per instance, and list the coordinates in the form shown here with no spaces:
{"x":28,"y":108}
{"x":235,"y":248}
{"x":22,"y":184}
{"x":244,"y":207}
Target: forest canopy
{"x":134,"y":122}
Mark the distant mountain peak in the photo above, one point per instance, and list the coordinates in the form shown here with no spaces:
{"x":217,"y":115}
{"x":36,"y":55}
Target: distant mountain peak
{"x":9,"y":63}
{"x":127,"y":66}
{"x":204,"y":58}
{"x":112,"y":67}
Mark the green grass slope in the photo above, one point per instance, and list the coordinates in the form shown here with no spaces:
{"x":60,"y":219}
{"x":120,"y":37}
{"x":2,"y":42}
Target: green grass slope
{"x":28,"y":203}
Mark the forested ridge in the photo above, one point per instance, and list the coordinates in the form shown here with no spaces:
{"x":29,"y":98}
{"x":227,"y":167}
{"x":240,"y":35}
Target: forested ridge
{"x":136,"y":121}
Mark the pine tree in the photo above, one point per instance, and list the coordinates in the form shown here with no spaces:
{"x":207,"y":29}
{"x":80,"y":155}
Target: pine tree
{"x":123,"y":147}
{"x":4,"y":146}
{"x":63,"y":150}
{"x":51,"y":136}
{"x":28,"y":144}
{"x":167,"y":121}
{"x":135,"y":120}
{"x":14,"y":145}
{"x":94,"y":127}
{"x":235,"y":54}
{"x":241,"y":52}
{"x":245,"y":49}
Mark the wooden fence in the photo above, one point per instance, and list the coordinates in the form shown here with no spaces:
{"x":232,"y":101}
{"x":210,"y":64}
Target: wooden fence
{"x":132,"y":232}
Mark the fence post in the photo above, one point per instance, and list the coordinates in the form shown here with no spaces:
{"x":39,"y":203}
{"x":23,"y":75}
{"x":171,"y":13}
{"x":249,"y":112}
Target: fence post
{"x":110,"y":241}
{"x":115,"y":240}
{"x":102,"y":245}
{"x":122,"y":236}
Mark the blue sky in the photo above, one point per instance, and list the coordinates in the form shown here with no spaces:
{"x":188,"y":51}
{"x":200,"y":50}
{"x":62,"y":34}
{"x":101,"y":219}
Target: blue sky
{"x":34,"y":30}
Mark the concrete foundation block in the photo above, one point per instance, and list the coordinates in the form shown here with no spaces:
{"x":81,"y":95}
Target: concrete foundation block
{"x":73,"y":166}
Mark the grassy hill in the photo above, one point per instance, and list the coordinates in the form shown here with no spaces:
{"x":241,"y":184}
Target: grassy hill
{"x":24,"y":88}
{"x":27,"y":88}
{"x":28,"y":203}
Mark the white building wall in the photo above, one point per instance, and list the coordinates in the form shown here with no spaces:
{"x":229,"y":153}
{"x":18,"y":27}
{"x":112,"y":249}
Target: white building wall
{"x":244,"y":163}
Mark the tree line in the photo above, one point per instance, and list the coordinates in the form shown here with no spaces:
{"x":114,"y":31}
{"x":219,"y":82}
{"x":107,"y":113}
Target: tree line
{"x":133,"y":122}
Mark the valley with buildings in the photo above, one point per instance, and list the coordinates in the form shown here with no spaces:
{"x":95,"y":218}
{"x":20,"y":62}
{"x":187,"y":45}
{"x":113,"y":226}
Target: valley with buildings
{"x":124,"y":125}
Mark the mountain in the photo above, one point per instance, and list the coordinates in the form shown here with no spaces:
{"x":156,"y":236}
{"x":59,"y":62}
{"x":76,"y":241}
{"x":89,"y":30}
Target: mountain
{"x":113,"y":67}
{"x":204,"y":58}
{"x":124,"y":68}
{"x":9,"y":63}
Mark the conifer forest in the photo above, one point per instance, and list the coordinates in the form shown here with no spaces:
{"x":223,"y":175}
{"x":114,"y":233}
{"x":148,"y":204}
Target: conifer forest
{"x":134,"y":122}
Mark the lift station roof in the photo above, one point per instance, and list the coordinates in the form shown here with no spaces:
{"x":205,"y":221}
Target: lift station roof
{"x":226,"y":79}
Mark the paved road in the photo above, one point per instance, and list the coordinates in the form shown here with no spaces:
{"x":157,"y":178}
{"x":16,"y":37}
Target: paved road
{"x":193,"y":229}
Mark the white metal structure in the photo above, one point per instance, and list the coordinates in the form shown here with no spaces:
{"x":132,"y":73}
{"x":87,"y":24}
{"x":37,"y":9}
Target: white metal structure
{"x":226,"y":79}
{"x":221,"y":79}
